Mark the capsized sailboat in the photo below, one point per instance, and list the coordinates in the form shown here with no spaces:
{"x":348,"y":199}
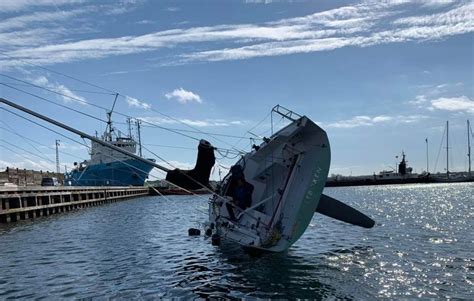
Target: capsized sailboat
{"x":284,"y":179}
{"x":280,"y":183}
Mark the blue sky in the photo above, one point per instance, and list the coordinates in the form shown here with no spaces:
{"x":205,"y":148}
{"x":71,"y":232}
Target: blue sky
{"x":379,"y":77}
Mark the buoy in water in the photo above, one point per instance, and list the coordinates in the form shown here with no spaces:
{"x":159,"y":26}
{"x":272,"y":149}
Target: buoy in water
{"x":194,"y":232}
{"x":216,"y":240}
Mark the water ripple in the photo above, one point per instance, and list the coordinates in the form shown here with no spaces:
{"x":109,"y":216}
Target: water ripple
{"x":421,"y":247}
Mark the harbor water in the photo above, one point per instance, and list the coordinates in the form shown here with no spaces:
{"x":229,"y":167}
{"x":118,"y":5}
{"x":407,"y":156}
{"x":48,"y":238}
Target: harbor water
{"x":421,"y":246}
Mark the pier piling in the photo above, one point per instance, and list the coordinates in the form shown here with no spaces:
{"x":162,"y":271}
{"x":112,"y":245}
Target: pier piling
{"x":22,"y":203}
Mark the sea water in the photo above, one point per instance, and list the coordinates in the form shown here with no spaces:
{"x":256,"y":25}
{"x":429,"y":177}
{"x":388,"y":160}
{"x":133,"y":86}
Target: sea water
{"x":422,"y":246}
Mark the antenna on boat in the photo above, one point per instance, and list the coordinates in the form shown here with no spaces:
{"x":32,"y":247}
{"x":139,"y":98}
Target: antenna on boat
{"x":138,"y":122}
{"x":129,"y":124}
{"x":109,"y":118}
{"x":58,"y":171}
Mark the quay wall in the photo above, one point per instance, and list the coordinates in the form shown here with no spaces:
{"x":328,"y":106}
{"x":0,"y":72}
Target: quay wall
{"x":24,"y":177}
{"x":21,"y":203}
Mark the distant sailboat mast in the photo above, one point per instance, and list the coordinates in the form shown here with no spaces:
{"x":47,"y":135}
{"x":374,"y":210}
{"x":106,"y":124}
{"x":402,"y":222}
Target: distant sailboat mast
{"x":447,"y":150}
{"x":469,"y":146}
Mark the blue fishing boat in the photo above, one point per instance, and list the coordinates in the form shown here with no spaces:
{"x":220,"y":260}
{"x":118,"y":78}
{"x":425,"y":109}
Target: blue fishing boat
{"x":109,"y":167}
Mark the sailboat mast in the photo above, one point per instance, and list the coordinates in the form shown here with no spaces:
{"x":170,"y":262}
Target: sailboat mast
{"x":469,"y":146}
{"x":427,"y":159}
{"x":447,"y":149}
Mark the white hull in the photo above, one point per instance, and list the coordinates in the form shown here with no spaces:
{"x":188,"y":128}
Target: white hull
{"x":288,"y":174}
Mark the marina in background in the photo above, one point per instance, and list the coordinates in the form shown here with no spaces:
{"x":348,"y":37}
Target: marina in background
{"x":403,"y":174}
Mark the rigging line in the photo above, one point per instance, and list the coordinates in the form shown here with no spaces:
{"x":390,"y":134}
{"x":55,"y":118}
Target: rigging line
{"x":176,"y":131}
{"x":55,"y":103}
{"x":63,"y":135}
{"x":134,"y":167}
{"x":26,"y":138}
{"x":439,"y":151}
{"x":166,"y":198}
{"x":115,"y":93}
{"x":161,"y":127}
{"x":45,"y":127}
{"x":112,"y":92}
{"x":170,"y":146}
{"x":57,"y":72}
{"x":85,"y":102}
{"x":252,"y":128}
{"x":183,"y":173}
{"x":274,"y":127}
{"x":208,"y":133}
{"x":29,"y":159}
{"x":203,"y":186}
{"x":190,"y":126}
{"x":56,"y":92}
{"x":25,"y":150}
{"x":74,"y":90}
{"x":13,"y":132}
{"x":200,"y":184}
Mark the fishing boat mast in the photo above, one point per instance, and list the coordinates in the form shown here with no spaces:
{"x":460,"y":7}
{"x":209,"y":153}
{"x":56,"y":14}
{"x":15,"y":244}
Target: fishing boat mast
{"x":139,"y":138}
{"x":110,"y":129}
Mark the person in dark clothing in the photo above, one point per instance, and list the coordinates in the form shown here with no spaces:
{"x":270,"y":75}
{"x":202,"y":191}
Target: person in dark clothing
{"x":241,"y":195}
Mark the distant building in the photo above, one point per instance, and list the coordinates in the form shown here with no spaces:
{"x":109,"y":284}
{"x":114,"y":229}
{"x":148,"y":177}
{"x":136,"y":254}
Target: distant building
{"x":23,"y":177}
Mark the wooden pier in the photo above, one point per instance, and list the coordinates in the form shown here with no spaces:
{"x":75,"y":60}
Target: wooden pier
{"x":21,"y":203}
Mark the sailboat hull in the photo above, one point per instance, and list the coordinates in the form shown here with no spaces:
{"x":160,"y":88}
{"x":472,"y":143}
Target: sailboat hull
{"x":288,"y":174}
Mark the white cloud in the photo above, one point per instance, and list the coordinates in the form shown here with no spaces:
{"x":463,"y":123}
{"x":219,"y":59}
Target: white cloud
{"x":360,"y":25}
{"x":460,"y":14}
{"x":18,"y":5}
{"x":145,"y":22}
{"x":39,"y":18}
{"x":259,"y":1}
{"x":67,"y":95}
{"x":172,"y":9}
{"x":183,"y":96}
{"x":358,"y":121}
{"x":29,"y":163}
{"x":419,"y":101}
{"x":193,"y":122}
{"x":382,"y":118}
{"x":461,"y":104}
{"x":133,"y":102}
{"x":437,"y":3}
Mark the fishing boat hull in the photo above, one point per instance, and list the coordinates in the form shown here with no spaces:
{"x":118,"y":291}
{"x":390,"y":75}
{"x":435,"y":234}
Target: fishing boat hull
{"x":288,"y":173}
{"x":118,"y":173}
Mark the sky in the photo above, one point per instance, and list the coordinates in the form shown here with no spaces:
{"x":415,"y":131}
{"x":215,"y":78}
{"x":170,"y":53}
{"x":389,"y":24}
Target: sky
{"x":379,"y":77}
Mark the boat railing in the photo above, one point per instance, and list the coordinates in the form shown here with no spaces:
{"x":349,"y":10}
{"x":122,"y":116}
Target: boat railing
{"x":286,"y":113}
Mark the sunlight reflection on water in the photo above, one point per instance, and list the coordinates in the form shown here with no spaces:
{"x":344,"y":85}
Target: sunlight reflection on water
{"x":420,"y":247}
